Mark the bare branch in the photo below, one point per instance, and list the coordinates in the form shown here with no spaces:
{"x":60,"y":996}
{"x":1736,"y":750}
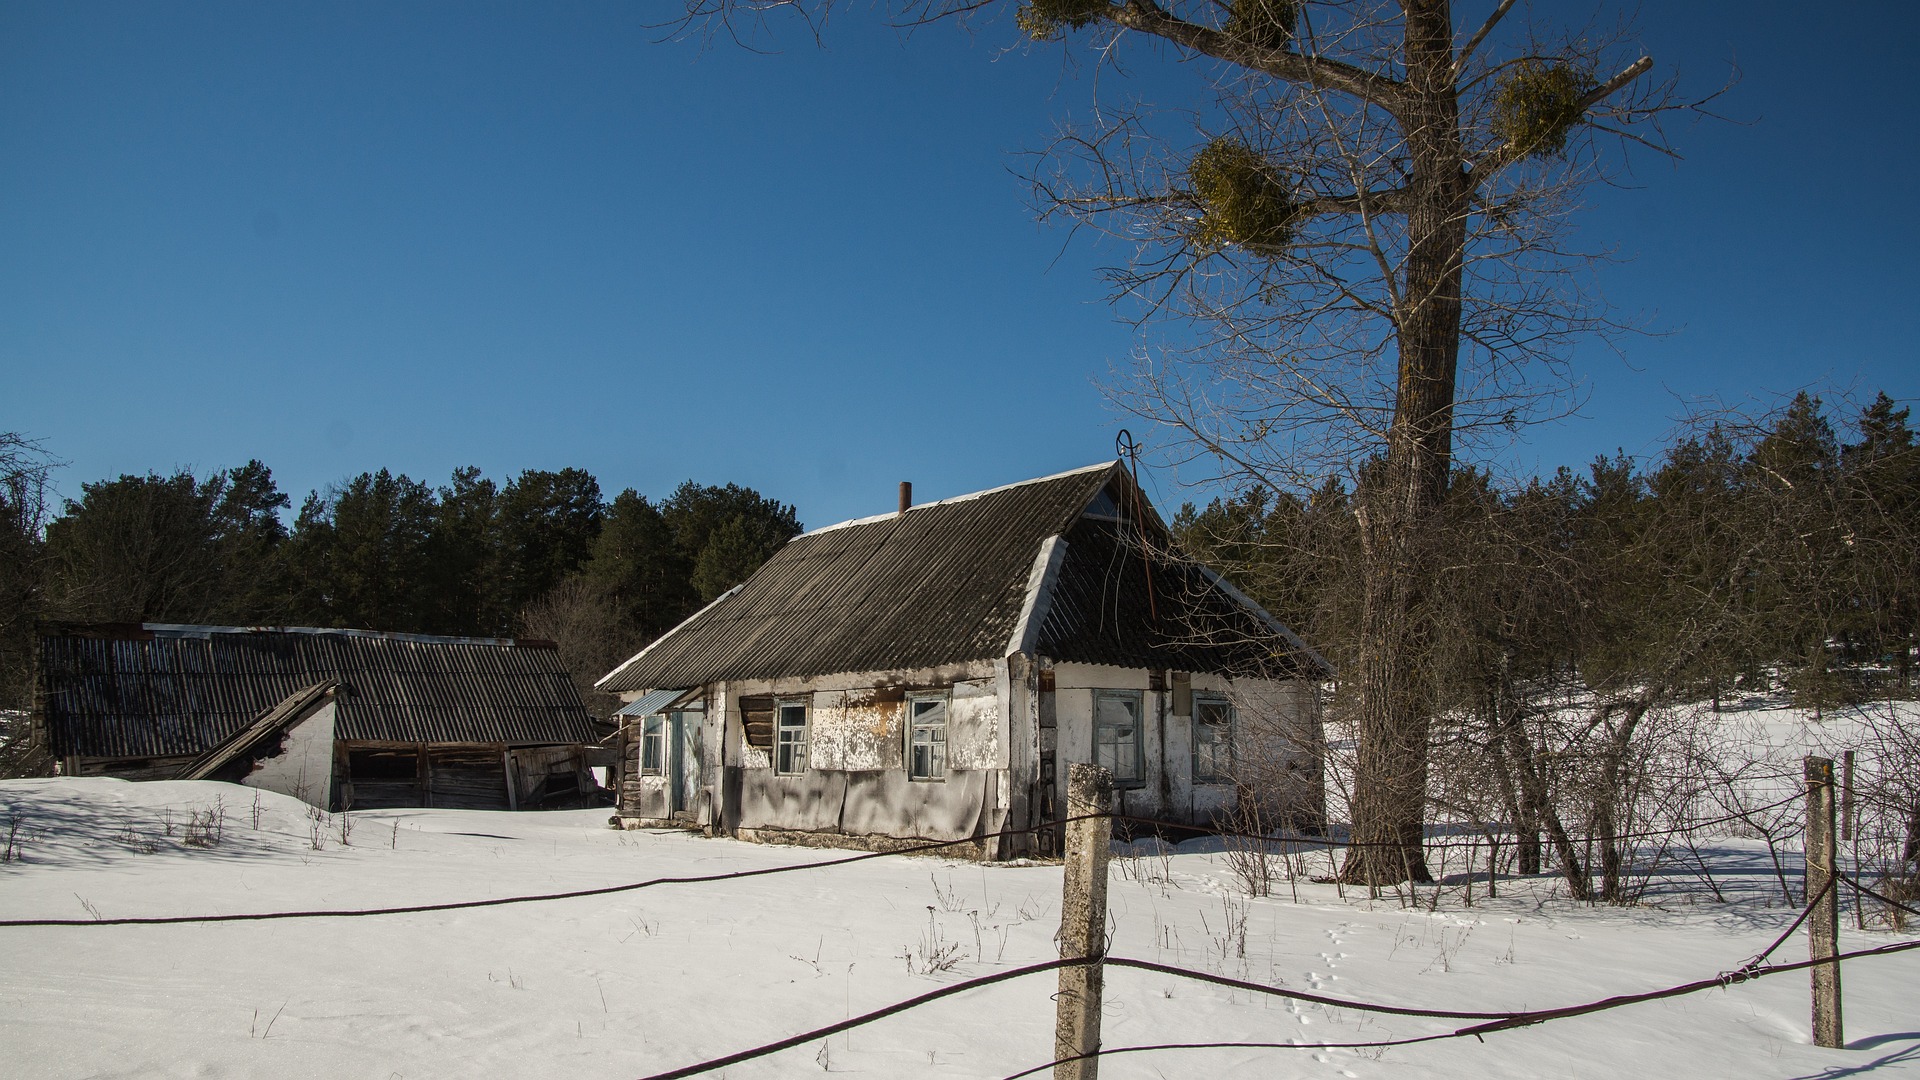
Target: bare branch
{"x":1146,"y":17}
{"x":1480,"y":35}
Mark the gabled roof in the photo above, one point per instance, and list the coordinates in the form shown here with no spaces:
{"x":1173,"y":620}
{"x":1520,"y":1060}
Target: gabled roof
{"x":155,"y":690}
{"x":977,"y":577}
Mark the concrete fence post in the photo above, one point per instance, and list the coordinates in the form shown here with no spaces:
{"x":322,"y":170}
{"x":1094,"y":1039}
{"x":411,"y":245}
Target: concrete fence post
{"x":1823,"y":891}
{"x":1083,"y":921}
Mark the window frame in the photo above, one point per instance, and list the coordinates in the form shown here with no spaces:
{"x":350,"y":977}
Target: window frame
{"x":797,"y":742}
{"x":653,"y":738}
{"x":1223,"y":740}
{"x":913,"y":728}
{"x":1137,"y":699}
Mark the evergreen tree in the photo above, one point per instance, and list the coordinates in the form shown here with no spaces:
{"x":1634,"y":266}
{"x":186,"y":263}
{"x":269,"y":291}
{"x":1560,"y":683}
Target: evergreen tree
{"x":23,"y":510}
{"x":1882,"y":507}
{"x":1793,"y":494}
{"x":464,"y":558}
{"x":547,"y":525}
{"x":637,"y":564}
{"x":136,"y":549}
{"x":248,"y":541}
{"x":743,"y":528}
{"x":360,"y":555}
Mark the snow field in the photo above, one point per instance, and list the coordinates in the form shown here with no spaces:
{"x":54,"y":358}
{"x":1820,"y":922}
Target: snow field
{"x":638,"y":982}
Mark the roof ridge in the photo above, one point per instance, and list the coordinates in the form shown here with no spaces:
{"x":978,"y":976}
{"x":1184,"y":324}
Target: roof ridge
{"x":179,"y":630}
{"x":971,"y":495}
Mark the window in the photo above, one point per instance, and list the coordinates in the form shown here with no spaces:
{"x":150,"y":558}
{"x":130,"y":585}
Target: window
{"x":1116,"y":734}
{"x":927,"y":738}
{"x":790,"y":738}
{"x":1212,"y":740}
{"x":653,"y":745}
{"x":1103,"y":506}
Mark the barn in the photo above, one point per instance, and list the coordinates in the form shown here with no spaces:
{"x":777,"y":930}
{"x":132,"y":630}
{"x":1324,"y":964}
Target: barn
{"x":345,"y":719}
{"x":928,"y":674}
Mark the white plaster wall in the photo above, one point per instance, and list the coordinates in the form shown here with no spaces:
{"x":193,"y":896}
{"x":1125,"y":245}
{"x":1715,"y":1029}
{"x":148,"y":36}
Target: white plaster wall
{"x":1276,"y":726}
{"x":974,"y":722}
{"x":856,"y":731}
{"x":856,"y":780}
{"x":1074,"y":687}
{"x":304,"y":768}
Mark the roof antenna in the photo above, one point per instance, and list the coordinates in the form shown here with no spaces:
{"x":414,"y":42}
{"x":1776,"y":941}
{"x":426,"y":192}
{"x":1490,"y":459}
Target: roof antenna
{"x":1129,"y":452}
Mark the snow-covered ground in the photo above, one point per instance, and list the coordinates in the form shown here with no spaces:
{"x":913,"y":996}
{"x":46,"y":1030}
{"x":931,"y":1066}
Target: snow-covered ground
{"x":638,"y":982}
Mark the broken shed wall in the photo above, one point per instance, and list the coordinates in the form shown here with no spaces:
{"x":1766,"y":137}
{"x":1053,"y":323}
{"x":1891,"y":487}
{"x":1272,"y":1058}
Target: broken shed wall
{"x":303,"y":767}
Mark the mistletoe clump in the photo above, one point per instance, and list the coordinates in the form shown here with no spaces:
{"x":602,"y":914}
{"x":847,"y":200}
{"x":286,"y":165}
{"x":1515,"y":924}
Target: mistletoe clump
{"x":1265,"y":24}
{"x":1538,"y":105}
{"x":1241,"y":201}
{"x":1042,"y":20}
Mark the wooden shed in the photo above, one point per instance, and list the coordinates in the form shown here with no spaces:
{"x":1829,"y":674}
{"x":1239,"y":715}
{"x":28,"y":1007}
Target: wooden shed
{"x":346,"y":719}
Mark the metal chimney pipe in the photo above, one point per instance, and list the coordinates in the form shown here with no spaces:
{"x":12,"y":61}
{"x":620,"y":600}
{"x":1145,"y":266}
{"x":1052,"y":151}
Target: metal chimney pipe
{"x":906,"y":495}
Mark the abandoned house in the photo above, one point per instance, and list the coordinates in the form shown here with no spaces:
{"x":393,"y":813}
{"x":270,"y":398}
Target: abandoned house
{"x":344,"y":719}
{"x":929,"y":674}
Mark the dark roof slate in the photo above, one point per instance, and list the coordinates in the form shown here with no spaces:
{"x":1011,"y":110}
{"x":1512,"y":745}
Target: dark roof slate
{"x":1102,"y":610}
{"x":947,"y":582}
{"x":151,"y":691}
{"x":942,"y":583}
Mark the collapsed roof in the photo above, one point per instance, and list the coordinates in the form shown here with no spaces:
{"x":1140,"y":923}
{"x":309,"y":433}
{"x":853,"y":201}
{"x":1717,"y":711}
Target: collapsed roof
{"x":153,"y":690}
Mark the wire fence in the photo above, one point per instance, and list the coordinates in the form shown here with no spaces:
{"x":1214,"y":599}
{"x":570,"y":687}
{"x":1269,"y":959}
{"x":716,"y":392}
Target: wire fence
{"x":1484,"y":1022}
{"x":913,"y":848}
{"x":1432,"y":844}
{"x":1490,"y":1023}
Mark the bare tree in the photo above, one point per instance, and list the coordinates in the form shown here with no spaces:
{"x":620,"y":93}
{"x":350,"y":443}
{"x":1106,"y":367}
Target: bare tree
{"x":24,"y":466}
{"x":1356,"y":238}
{"x":583,"y":620}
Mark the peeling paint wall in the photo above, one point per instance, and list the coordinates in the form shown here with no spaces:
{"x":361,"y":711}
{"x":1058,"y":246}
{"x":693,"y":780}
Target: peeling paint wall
{"x":1276,"y":728}
{"x":304,"y":766}
{"x":641,"y":796}
{"x":856,"y":782}
{"x":650,"y":798}
{"x":858,"y":730}
{"x":1000,"y":723}
{"x":974,"y":738}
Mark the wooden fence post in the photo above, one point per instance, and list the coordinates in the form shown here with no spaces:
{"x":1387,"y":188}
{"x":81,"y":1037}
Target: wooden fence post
{"x":1083,"y":921}
{"x":1823,"y":892}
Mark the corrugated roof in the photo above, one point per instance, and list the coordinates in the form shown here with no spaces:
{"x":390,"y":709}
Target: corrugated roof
{"x":153,"y":691}
{"x":946,"y":583}
{"x":650,"y":702}
{"x":1102,"y":610}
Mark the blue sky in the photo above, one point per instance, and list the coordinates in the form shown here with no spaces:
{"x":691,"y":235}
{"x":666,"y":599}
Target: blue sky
{"x":337,"y":237}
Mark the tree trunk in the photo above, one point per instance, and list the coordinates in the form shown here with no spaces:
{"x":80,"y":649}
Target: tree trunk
{"x":1399,"y":516}
{"x":1571,"y":867}
{"x":1512,"y":750}
{"x":1612,"y":797}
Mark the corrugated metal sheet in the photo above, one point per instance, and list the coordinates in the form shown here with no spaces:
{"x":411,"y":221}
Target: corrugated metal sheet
{"x":161,"y":691}
{"x":945,"y":582}
{"x":1101,"y":613}
{"x":651,"y":702}
{"x":938,"y":584}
